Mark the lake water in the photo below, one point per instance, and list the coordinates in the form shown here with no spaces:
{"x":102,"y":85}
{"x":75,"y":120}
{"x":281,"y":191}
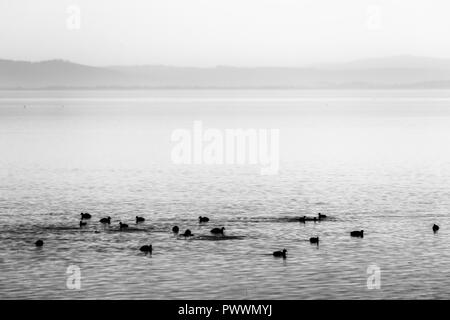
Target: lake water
{"x":372,"y":160}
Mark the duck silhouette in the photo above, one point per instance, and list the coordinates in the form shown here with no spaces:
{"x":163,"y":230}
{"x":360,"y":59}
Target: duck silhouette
{"x":435,"y":228}
{"x":305,"y":218}
{"x":147,"y":249}
{"x":314,"y":240}
{"x":140,"y":219}
{"x":122,"y":225}
{"x":359,"y":234}
{"x":280,"y":253}
{"x":322,"y":216}
{"x":187,"y":233}
{"x":106,"y":220}
{"x":85,"y":216}
{"x":175,"y":229}
{"x":39,"y":243}
{"x":218,"y":230}
{"x":203,"y":219}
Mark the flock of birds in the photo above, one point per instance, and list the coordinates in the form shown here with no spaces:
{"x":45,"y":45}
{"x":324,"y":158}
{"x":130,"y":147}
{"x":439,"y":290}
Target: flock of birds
{"x":216,"y":231}
{"x":124,"y":226}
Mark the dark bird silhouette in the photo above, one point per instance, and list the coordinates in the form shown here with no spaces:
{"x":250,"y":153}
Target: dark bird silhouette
{"x":322,"y":216}
{"x":85,"y":216}
{"x":435,"y":228}
{"x":39,"y":243}
{"x":82,"y":224}
{"x":147,"y":249}
{"x":122,"y":225}
{"x":140,"y":219}
{"x":203,"y":219}
{"x":314,"y":240}
{"x":359,"y":234}
{"x":305,"y":218}
{"x":218,"y":230}
{"x":175,"y":229}
{"x":106,"y":220}
{"x":280,"y":253}
{"x":187,"y":233}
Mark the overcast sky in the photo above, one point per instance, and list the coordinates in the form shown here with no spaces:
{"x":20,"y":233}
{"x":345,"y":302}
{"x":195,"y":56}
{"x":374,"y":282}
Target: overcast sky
{"x":225,"y":32}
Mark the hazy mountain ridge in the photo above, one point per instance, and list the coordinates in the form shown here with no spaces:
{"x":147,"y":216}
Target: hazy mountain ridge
{"x":391,"y":72}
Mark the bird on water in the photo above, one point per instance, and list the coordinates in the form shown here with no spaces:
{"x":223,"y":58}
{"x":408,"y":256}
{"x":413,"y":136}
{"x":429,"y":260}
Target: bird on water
{"x":322,"y":216}
{"x":187,"y":233}
{"x":305,"y":218}
{"x":280,"y":253}
{"x":85,"y":216}
{"x":106,"y":220}
{"x":122,"y":225}
{"x":147,"y":249}
{"x":218,"y":230}
{"x":140,"y":219}
{"x":359,"y":234}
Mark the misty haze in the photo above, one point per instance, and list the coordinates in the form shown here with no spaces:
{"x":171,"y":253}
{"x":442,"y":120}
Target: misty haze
{"x":224,"y":149}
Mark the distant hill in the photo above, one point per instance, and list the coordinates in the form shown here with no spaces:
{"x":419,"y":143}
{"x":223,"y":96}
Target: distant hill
{"x":52,"y":73}
{"x":390,"y":72}
{"x":394,"y":62}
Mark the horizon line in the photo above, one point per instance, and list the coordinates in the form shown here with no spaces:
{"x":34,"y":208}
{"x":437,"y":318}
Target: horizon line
{"x":310,"y":65}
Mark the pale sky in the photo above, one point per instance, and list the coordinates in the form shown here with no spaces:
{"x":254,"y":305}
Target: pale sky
{"x":225,"y":32}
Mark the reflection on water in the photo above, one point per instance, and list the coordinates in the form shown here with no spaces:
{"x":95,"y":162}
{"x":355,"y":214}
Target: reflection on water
{"x":379,"y":165}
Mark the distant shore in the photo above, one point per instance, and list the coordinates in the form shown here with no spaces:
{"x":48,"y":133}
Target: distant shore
{"x":418,"y":86}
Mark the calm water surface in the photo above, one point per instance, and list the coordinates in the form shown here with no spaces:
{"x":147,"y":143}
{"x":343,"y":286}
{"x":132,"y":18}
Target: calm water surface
{"x":372,"y":160}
